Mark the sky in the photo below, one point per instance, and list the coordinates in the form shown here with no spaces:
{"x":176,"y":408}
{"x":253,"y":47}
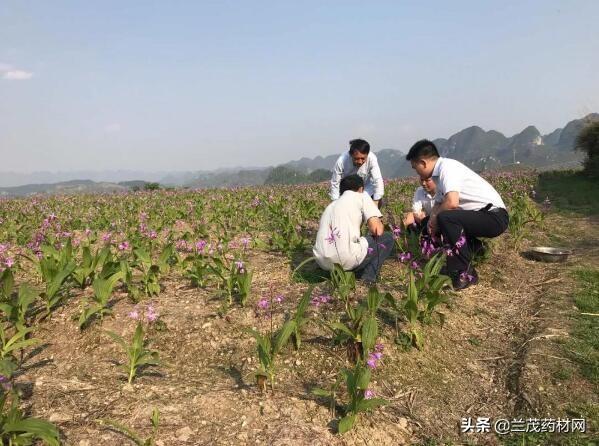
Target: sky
{"x":199,"y":85}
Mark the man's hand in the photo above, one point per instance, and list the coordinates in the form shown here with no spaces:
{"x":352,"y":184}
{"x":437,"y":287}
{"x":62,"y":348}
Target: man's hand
{"x":432,"y":225}
{"x":419,"y":216}
{"x":408,"y":219}
{"x":375,"y":226}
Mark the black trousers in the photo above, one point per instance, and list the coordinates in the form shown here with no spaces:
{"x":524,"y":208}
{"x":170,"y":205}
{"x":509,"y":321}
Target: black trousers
{"x":484,"y":223}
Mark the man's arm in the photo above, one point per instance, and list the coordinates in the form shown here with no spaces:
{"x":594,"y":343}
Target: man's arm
{"x":451,"y":200}
{"x":336,"y":178}
{"x":377,"y":180}
{"x":375,"y":226}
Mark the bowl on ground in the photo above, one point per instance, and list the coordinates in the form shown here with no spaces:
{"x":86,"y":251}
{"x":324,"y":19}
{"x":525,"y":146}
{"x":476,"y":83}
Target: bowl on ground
{"x":548,"y":254}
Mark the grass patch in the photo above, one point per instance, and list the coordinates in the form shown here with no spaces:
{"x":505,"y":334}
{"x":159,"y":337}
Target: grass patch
{"x":584,"y":344}
{"x":569,"y":191}
{"x":589,"y":411}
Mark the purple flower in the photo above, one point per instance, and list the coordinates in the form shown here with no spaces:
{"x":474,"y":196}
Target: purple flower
{"x":239,"y":266}
{"x":325,"y":298}
{"x":245,"y":242}
{"x":405,"y":256}
{"x":9,"y":262}
{"x":382,"y":246}
{"x":379,"y":347}
{"x":279,"y":299}
{"x":460,"y":242}
{"x":134,"y":314}
{"x":151,"y":313}
{"x":200,"y":245}
{"x":371,"y":363}
{"x":464,"y":276}
{"x":396,"y":231}
{"x":263,"y":303}
{"x":5,"y":383}
{"x":333,"y":233}
{"x":370,"y":250}
{"x":377,"y":355}
{"x":414,"y":265}
{"x":317,"y":301}
{"x":368,"y":394}
{"x":124,"y":246}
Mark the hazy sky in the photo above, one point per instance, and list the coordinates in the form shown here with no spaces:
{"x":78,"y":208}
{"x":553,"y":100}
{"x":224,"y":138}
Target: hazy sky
{"x":190,"y":85}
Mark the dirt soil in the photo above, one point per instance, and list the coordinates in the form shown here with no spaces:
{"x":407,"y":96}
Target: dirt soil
{"x":495,"y":356}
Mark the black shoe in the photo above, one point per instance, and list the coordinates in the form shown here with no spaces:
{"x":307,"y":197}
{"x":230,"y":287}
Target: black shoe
{"x":477,"y":247}
{"x":464,"y":279}
{"x":443,"y":271}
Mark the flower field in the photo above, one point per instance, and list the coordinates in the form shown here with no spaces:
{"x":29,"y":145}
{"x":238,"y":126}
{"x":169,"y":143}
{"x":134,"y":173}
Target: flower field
{"x":198,"y":317}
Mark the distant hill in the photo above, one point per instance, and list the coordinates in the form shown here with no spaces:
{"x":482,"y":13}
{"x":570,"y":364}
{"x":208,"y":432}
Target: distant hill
{"x":474,"y":146}
{"x":66,"y":187}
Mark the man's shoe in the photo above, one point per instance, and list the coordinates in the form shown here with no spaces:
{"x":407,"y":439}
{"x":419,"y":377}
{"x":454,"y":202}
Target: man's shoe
{"x":477,"y":247}
{"x":463,"y":280}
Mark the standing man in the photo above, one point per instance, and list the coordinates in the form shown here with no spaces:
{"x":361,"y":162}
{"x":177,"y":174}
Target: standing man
{"x":339,"y":240}
{"x":466,"y":207}
{"x":359,"y":161}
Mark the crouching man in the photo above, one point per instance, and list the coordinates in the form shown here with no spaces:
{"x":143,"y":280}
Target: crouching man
{"x":467,"y":207}
{"x":422,"y":206}
{"x":339,"y":239}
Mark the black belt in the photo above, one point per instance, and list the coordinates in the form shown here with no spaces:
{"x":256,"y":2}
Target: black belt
{"x":488,"y":207}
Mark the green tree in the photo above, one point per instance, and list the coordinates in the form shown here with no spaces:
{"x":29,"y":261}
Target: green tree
{"x":318,"y":175}
{"x":587,"y":141}
{"x":152,"y":186}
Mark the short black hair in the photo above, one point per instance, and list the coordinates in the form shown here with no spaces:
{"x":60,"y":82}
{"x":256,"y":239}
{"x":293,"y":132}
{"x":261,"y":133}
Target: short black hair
{"x":351,"y":182}
{"x":423,"y":149}
{"x":359,"y":145}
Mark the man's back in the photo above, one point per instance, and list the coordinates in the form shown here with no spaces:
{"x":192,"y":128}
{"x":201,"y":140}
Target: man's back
{"x":339,"y":239}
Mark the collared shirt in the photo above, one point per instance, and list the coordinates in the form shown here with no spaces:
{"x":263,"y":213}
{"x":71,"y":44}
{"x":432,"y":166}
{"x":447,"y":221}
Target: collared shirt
{"x":422,"y":201}
{"x":339,"y":239}
{"x":369,"y":171}
{"x":475,"y":192}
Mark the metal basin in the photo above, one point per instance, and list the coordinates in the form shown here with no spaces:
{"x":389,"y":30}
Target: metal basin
{"x":546,"y":254}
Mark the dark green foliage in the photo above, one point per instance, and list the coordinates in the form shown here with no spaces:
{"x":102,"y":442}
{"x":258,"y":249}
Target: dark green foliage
{"x":587,"y":141}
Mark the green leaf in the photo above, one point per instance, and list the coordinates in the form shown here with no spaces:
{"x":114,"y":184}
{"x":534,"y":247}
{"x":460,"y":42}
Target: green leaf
{"x":370,"y":404}
{"x":117,"y":338}
{"x":339,"y":326}
{"x":346,"y":423}
{"x":54,"y":286}
{"x":362,"y":377}
{"x":155,"y":418}
{"x":417,"y":339}
{"x":7,"y":282}
{"x":322,"y":392}
{"x":123,"y":430}
{"x":369,"y":334}
{"x":283,"y":335}
{"x":44,"y":430}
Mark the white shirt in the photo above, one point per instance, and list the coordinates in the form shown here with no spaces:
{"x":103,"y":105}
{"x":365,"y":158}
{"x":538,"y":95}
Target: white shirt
{"x":422,"y":201}
{"x":339,"y":239}
{"x":369,"y":171}
{"x":475,"y":192}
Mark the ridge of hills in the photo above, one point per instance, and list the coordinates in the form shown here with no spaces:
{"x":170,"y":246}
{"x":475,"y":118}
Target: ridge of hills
{"x":479,"y":149}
